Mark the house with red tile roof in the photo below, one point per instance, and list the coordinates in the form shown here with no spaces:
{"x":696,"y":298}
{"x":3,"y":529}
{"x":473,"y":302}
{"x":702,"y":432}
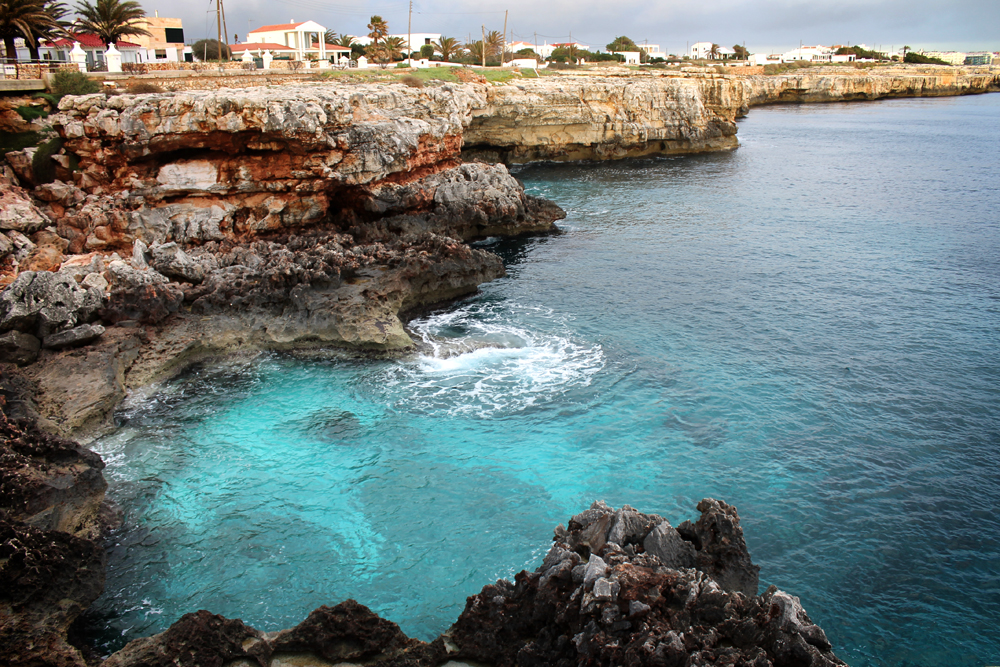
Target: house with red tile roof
{"x":298,"y":39}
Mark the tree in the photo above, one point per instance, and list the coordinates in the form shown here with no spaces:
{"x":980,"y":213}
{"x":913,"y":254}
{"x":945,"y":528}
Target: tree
{"x":210,"y":49}
{"x":447,"y":47}
{"x":111,"y":20}
{"x":713,"y":52}
{"x":394,"y":48}
{"x":494,"y":43}
{"x":905,"y":49}
{"x":741,"y":52}
{"x":476,"y":50}
{"x":345,"y":41}
{"x":28,"y":19}
{"x":331,"y":37}
{"x":621,"y":44}
{"x":378,"y":29}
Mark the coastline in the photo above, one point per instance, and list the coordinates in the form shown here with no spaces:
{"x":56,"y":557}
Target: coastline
{"x":142,"y":340}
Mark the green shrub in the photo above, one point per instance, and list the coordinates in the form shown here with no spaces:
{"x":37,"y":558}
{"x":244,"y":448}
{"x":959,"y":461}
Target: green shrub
{"x":69,"y":82}
{"x":43,"y":168}
{"x":16,"y":141}
{"x":30,"y":113}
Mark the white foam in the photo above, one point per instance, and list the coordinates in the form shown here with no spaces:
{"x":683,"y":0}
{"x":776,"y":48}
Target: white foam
{"x":479,"y":360}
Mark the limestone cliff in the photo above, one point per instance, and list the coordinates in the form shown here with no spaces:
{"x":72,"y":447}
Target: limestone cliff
{"x":846,"y":85}
{"x":595,"y":118}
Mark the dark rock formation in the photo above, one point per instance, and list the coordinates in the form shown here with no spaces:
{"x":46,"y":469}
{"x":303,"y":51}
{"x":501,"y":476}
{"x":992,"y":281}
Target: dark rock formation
{"x":51,"y":562}
{"x":600,"y":597}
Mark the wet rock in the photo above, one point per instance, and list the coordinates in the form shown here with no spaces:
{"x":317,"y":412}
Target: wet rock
{"x":350,"y":633}
{"x":51,"y":565}
{"x":80,"y":335}
{"x":19,"y":348}
{"x":199,"y":639}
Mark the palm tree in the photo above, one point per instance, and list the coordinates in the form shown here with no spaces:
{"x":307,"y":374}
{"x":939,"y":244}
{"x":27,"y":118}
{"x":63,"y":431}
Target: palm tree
{"x":345,"y":41}
{"x":378,"y":29}
{"x":714,"y":51}
{"x":111,"y":19}
{"x":494,"y":42}
{"x":29,"y":19}
{"x":330,"y":37}
{"x":59,"y":28}
{"x":393,"y":47}
{"x":447,"y":47}
{"x":476,"y":49}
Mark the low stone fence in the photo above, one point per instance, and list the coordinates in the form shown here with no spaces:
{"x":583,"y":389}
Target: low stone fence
{"x":210,"y":80}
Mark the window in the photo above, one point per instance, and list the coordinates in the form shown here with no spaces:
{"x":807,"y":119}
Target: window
{"x":174,"y":35}
{"x":161,"y":54}
{"x":427,"y":40}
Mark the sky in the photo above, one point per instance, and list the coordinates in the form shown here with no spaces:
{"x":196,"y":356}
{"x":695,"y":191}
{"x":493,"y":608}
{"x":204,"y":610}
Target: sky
{"x":763,"y":25}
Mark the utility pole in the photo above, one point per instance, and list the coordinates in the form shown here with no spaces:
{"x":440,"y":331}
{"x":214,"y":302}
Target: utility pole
{"x":503,"y":43}
{"x":409,"y":43}
{"x":225,"y":31}
{"x":483,"y":45}
{"x":218,"y":25}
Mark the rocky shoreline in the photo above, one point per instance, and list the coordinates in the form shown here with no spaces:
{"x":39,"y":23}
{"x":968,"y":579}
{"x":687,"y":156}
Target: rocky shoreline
{"x":181,"y":226}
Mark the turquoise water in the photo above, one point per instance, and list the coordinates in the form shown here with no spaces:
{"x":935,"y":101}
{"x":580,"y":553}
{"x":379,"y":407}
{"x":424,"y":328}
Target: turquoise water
{"x":807,"y":327}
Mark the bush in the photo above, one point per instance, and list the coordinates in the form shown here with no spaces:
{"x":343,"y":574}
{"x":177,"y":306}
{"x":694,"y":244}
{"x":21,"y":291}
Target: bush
{"x":210,"y":49}
{"x":413,"y":81}
{"x":43,"y":169}
{"x":30,"y":113}
{"x":920,"y":59}
{"x":143,"y":87}
{"x":427,"y":51}
{"x":70,"y":82}
{"x":135,"y":68}
{"x":468,"y":76}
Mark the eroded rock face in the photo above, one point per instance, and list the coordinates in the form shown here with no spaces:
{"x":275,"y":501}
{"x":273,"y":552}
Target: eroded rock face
{"x":51,"y":560}
{"x":599,"y":118}
{"x":602,"y":596}
{"x":849,"y":85}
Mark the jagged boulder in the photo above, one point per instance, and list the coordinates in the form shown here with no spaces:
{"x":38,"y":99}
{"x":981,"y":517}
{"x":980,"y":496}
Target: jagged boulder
{"x":18,"y":211}
{"x":80,"y":335}
{"x":625,"y":606}
{"x":43,"y":303}
{"x":171,"y":261}
{"x":144,"y":295}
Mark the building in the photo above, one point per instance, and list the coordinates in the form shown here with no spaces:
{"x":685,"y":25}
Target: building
{"x":701,"y":50}
{"x":58,"y":50}
{"x":166,"y":44}
{"x":816,"y":54}
{"x":950,"y":57}
{"x":303,"y":38}
{"x":978,"y":58}
{"x":631,"y":57}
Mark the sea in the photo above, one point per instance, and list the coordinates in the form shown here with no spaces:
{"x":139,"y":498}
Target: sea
{"x":807,"y":327}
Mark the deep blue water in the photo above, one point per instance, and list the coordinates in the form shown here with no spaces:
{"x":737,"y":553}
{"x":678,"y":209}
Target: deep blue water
{"x":807,"y":327}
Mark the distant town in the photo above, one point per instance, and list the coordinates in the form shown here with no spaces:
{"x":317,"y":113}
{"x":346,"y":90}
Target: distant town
{"x":308,"y":44}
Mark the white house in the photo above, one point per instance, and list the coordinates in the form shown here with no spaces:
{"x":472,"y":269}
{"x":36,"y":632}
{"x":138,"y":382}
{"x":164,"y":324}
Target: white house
{"x":653,"y":50}
{"x":631,"y":57}
{"x":58,"y":50}
{"x":765,"y":59}
{"x":304,"y":38}
{"x":701,"y":50}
